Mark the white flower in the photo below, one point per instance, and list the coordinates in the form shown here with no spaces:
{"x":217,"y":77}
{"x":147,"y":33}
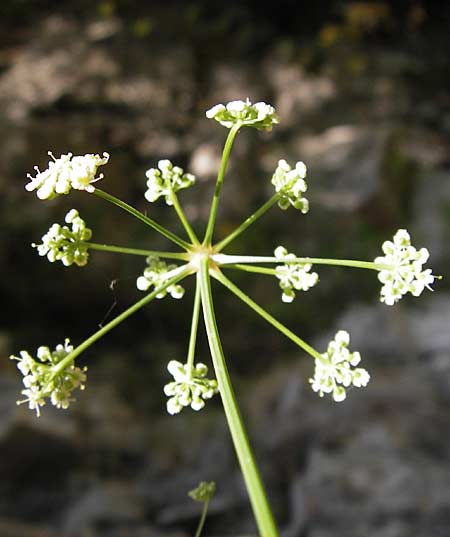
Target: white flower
{"x":65,"y":173}
{"x":41,"y":382}
{"x":155,"y":274}
{"x":66,"y":245}
{"x":259,"y":115}
{"x":403,"y":273}
{"x":291,"y":185}
{"x":189,"y":388}
{"x":293,"y":276}
{"x":165,"y":179}
{"x":336,"y":370}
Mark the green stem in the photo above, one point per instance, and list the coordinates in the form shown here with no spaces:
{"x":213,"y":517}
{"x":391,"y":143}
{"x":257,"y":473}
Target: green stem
{"x":135,"y":251}
{"x":251,"y":268}
{"x":194,"y":327}
{"x":255,"y":488}
{"x":223,"y":259}
{"x":183,"y":219}
{"x":266,"y":316}
{"x":178,"y":274}
{"x":252,"y":218}
{"x":202,"y":519}
{"x":246,"y":223}
{"x":137,"y":214}
{"x":223,"y":165}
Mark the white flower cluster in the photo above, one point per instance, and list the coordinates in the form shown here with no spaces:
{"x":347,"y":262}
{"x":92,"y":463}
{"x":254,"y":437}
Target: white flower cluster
{"x":293,"y":276}
{"x":155,"y":274}
{"x":189,"y":388}
{"x":337,"y":370}
{"x":41,"y":382}
{"x":291,"y":185}
{"x":259,"y":115}
{"x":405,"y":274}
{"x":165,"y":179}
{"x":65,"y":173}
{"x":66,"y":245}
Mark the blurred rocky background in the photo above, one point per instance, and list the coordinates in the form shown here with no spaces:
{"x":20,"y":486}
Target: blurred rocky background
{"x":362,"y":89}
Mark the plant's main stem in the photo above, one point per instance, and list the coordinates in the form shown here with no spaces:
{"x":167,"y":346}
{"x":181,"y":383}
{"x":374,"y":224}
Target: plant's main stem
{"x":255,"y":488}
{"x":223,"y":166}
{"x":137,"y":214}
{"x":178,"y":274}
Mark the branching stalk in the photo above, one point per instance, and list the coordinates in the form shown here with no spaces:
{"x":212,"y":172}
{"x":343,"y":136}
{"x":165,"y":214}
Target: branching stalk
{"x":266,"y":316}
{"x":223,"y":166}
{"x":252,"y":268}
{"x":223,"y":259}
{"x":194,"y":326}
{"x":135,"y":251}
{"x":140,"y":216}
{"x":246,"y":223}
{"x":183,"y":219}
{"x":177,"y":275}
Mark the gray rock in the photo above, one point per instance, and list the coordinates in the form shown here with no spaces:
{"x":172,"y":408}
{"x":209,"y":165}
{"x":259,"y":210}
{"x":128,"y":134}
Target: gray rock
{"x":115,"y":502}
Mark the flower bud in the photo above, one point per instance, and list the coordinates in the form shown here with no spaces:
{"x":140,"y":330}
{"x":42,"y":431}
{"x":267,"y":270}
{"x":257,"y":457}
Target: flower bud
{"x":259,"y":115}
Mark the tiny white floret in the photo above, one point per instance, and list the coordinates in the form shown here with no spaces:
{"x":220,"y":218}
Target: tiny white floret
{"x":190,"y":386}
{"x":335,"y":371}
{"x":65,"y":173}
{"x":260,"y":115}
{"x":166,"y":180}
{"x":293,"y":276}
{"x":43,"y":381}
{"x":402,"y":270}
{"x":291,"y":186}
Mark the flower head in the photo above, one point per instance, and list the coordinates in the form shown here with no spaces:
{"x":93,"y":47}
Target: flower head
{"x":43,"y":381}
{"x":165,"y":179}
{"x":404,"y":272}
{"x":155,"y":274}
{"x":66,"y":245}
{"x":65,"y":173}
{"x":259,"y":115}
{"x":336,"y":370}
{"x":189,"y":388}
{"x":293,"y":276}
{"x":291,"y":185}
{"x":203,"y":492}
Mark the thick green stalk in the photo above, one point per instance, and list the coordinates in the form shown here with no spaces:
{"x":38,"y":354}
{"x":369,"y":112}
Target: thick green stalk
{"x":135,"y":251}
{"x":183,"y":219}
{"x":266,"y":316}
{"x":246,"y":223}
{"x":178,"y":274}
{"x":223,"y":166}
{"x":223,"y":259}
{"x":255,"y":488}
{"x":137,"y":214}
